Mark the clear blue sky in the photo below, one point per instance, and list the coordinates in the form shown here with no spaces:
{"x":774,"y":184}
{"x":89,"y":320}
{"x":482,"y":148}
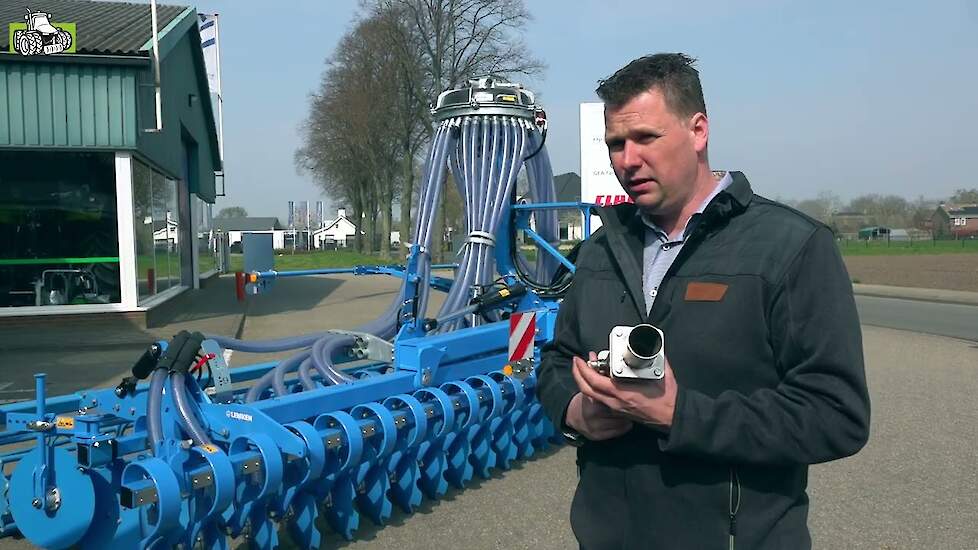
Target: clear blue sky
{"x":802,"y":96}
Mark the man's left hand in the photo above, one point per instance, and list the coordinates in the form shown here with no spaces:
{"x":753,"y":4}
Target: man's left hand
{"x":650,"y":402}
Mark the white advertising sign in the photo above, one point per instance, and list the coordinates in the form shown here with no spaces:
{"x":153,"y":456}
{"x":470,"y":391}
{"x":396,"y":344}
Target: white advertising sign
{"x":598,"y":182}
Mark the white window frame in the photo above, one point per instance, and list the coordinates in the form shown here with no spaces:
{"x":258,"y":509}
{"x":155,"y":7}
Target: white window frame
{"x":127,"y":234}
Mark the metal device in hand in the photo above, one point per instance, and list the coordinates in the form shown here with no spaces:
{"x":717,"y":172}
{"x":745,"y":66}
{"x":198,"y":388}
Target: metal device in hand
{"x":633,"y":352}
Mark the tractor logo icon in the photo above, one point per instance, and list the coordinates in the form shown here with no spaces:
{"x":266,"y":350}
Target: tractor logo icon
{"x":40,"y":36}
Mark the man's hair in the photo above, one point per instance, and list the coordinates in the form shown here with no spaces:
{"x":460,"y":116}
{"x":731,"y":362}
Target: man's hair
{"x":672,"y":74}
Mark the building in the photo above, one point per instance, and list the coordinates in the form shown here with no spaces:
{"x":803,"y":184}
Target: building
{"x":339,"y":232}
{"x":234,"y":228}
{"x":100,"y":210}
{"x":571,"y":222}
{"x":874,"y":233}
{"x":955,"y":221}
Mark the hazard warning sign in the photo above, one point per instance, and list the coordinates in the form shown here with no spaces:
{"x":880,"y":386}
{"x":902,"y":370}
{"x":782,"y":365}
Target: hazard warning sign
{"x":522,"y":329}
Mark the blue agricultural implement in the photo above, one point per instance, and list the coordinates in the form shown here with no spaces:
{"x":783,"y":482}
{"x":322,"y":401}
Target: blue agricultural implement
{"x":354,"y":422}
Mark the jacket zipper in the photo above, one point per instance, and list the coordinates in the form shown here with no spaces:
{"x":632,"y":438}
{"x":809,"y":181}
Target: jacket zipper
{"x":733,"y":506}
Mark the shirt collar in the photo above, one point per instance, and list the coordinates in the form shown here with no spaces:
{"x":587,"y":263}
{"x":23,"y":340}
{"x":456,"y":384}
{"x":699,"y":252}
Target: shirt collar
{"x":725,"y":180}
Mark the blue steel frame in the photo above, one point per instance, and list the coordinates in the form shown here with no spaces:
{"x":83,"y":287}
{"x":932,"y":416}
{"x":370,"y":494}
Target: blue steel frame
{"x":308,"y":445}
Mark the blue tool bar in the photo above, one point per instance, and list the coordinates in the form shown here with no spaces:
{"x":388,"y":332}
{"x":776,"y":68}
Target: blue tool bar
{"x":549,"y":249}
{"x":272,"y":274}
{"x":384,"y":270}
{"x":583,"y":206}
{"x":56,"y":405}
{"x":332,"y":398}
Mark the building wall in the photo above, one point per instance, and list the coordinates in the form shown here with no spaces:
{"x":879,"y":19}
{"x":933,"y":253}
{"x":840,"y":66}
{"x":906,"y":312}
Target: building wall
{"x":969,"y":229}
{"x":278,"y":237}
{"x":186,"y":113}
{"x":110,"y":104}
{"x":67,"y":105}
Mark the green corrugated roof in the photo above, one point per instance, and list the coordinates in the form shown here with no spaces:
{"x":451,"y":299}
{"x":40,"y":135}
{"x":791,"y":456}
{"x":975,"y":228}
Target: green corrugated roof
{"x":102,"y":28}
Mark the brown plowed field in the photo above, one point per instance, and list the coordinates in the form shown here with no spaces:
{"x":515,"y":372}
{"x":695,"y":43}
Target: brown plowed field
{"x":943,"y":271}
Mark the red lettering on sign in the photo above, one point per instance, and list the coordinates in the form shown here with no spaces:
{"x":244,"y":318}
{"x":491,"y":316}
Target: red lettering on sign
{"x":611,"y":200}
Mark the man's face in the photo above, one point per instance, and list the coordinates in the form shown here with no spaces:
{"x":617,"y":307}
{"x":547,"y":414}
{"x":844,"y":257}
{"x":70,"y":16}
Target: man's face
{"x":654,"y":152}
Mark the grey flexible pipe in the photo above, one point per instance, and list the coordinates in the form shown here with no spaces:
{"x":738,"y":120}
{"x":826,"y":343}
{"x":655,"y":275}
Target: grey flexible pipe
{"x":322,"y":358}
{"x":285,"y":367}
{"x":267,"y":346}
{"x":259,"y":387}
{"x":184,"y":409}
{"x":305,"y":375}
{"x":486,"y":184}
{"x":154,"y":408}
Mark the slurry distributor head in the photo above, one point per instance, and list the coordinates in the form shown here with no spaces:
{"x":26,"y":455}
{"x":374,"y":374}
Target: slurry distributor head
{"x":485,"y":96}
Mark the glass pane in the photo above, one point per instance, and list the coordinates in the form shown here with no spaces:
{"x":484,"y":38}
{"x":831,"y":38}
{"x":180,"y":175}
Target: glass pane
{"x":173,"y":231}
{"x":58,"y":229}
{"x":160,"y":230}
{"x":142,"y":206}
{"x":206,"y":256}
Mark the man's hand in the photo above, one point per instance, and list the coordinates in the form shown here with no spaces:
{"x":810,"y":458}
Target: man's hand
{"x":594,"y":420}
{"x":648,"y":402}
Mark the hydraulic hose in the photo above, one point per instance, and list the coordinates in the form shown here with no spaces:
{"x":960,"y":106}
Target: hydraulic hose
{"x":267,"y":346}
{"x":485,"y":153}
{"x":322,"y":358}
{"x":259,"y":387}
{"x":305,"y":375}
{"x":283,"y":368}
{"x":154,"y":408}
{"x":185,"y":411}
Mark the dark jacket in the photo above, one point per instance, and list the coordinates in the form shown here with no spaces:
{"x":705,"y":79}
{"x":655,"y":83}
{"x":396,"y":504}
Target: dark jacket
{"x":768,"y":360}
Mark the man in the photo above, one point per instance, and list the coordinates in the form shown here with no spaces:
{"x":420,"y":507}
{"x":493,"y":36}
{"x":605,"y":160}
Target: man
{"x":764,"y":367}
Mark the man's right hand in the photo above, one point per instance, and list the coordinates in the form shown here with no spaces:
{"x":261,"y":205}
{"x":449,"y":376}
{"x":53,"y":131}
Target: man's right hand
{"x":593,"y":419}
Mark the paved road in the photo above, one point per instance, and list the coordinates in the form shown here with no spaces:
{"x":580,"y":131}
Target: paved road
{"x":956,"y":321}
{"x":913,"y":486}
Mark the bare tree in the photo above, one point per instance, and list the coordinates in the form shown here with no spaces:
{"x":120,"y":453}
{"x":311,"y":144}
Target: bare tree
{"x":887,"y":210}
{"x":964,"y":196}
{"x":369,"y":120}
{"x":441,"y":44}
{"x":232,"y":212}
{"x":347,"y":143}
{"x":821,"y":207}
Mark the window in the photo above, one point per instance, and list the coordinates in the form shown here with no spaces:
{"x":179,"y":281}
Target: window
{"x":206,"y":236}
{"x":960,"y":222}
{"x":142,"y":209}
{"x":156,"y":222}
{"x":59,"y":238}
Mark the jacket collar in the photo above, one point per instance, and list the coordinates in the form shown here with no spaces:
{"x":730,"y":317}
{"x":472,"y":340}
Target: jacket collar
{"x":626,"y":232}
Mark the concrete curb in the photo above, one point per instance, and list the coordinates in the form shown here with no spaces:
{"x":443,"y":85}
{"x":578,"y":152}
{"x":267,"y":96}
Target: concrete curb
{"x":920,"y":294}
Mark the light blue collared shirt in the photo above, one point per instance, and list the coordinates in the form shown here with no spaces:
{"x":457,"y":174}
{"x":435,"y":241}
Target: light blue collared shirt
{"x":660,"y":252}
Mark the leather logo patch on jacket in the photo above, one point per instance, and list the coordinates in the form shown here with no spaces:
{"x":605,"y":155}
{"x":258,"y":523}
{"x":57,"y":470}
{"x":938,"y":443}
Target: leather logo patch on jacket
{"x":697,"y":291}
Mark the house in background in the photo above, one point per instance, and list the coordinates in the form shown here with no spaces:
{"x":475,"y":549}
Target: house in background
{"x":99,"y":210}
{"x":955,"y":221}
{"x":236,"y":227}
{"x":571,"y":222}
{"x":338,"y":233}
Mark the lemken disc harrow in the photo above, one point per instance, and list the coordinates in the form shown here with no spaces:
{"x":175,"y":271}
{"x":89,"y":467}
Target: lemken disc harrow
{"x":190,"y":453}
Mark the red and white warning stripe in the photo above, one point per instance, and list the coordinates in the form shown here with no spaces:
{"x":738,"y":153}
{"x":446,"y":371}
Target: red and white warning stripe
{"x":522,"y":329}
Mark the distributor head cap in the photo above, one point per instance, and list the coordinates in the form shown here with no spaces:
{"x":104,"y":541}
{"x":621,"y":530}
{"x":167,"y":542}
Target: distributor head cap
{"x":485,"y":96}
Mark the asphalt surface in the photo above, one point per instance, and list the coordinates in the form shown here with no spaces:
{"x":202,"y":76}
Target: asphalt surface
{"x":913,"y":486}
{"x":953,"y":320}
